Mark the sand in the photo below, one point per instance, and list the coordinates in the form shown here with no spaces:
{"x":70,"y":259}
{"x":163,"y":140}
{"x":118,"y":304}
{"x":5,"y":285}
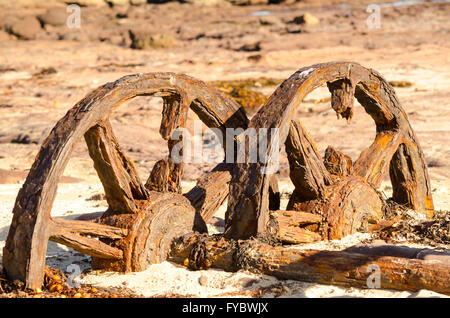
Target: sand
{"x":412,"y":45}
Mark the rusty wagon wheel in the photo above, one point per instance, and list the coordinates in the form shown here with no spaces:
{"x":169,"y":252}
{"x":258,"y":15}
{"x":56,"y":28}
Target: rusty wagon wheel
{"x":341,"y":192}
{"x":138,"y":226}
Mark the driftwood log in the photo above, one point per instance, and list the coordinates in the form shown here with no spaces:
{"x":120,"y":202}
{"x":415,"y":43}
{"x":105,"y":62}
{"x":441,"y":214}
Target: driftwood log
{"x":147,"y":223}
{"x":400,"y":268}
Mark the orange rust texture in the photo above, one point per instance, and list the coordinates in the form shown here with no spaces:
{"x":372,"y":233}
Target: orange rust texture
{"x":341,"y":268}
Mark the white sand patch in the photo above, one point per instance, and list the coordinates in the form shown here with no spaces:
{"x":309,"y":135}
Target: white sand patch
{"x":168,"y":279}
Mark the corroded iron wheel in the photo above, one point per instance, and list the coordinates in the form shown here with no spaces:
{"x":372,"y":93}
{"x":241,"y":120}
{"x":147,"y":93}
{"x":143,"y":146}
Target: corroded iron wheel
{"x":342,"y":192}
{"x":141,"y":220}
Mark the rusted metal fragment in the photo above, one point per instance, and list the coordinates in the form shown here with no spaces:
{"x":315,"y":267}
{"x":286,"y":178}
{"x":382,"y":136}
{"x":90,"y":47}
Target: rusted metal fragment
{"x":117,"y":173}
{"x":306,"y":169}
{"x":351,"y":206}
{"x":373,"y":163}
{"x":292,"y":226}
{"x":164,"y":217}
{"x":209,"y":194}
{"x":337,"y":163}
{"x":342,"y":95}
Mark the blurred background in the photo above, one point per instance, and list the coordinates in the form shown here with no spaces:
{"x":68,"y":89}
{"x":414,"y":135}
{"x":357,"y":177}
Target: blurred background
{"x":54,"y":52}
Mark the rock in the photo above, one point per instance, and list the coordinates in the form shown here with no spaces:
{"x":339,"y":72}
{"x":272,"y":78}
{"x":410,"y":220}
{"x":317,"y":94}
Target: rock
{"x":54,"y":17}
{"x":144,"y":40}
{"x":45,"y":71}
{"x":90,"y":3}
{"x":207,"y":2}
{"x":251,"y":47}
{"x":306,"y":19}
{"x":247,"y":282}
{"x":137,"y":2}
{"x":97,"y":197}
{"x":22,"y":139}
{"x":27,"y":28}
{"x":249,"y":2}
{"x":74,"y":35}
{"x":117,"y":3}
{"x":282,"y":1}
{"x":203,"y":280}
{"x":4,"y":36}
{"x":269,"y":20}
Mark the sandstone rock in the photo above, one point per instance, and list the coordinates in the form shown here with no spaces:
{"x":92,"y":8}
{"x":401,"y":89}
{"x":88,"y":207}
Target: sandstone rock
{"x":251,"y":47}
{"x":26,"y":28}
{"x":137,"y":2}
{"x":118,"y":2}
{"x":54,"y":17}
{"x":4,"y":36}
{"x":306,"y":19}
{"x":144,"y":40}
{"x":249,"y":2}
{"x":208,"y":2}
{"x":74,"y":35}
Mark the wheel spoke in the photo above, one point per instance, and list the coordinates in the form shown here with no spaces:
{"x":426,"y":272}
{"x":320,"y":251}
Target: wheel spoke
{"x":373,"y":163}
{"x":209,"y":194}
{"x":86,"y":228}
{"x":86,"y":245}
{"x":307,"y":171}
{"x":409,"y":177}
{"x":117,"y":173}
{"x":247,"y":213}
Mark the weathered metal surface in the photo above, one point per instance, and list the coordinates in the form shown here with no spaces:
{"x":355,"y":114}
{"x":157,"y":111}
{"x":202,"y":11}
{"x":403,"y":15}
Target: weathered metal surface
{"x":26,"y":244}
{"x":398,"y":270}
{"x":396,"y":147}
{"x":333,"y":197}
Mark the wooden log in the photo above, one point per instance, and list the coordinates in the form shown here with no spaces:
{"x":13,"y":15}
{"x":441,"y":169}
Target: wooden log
{"x":117,"y":173}
{"x":340,"y":268}
{"x":174,"y":113}
{"x":337,"y":163}
{"x":295,"y":218}
{"x":87,"y":228}
{"x":306,"y":169}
